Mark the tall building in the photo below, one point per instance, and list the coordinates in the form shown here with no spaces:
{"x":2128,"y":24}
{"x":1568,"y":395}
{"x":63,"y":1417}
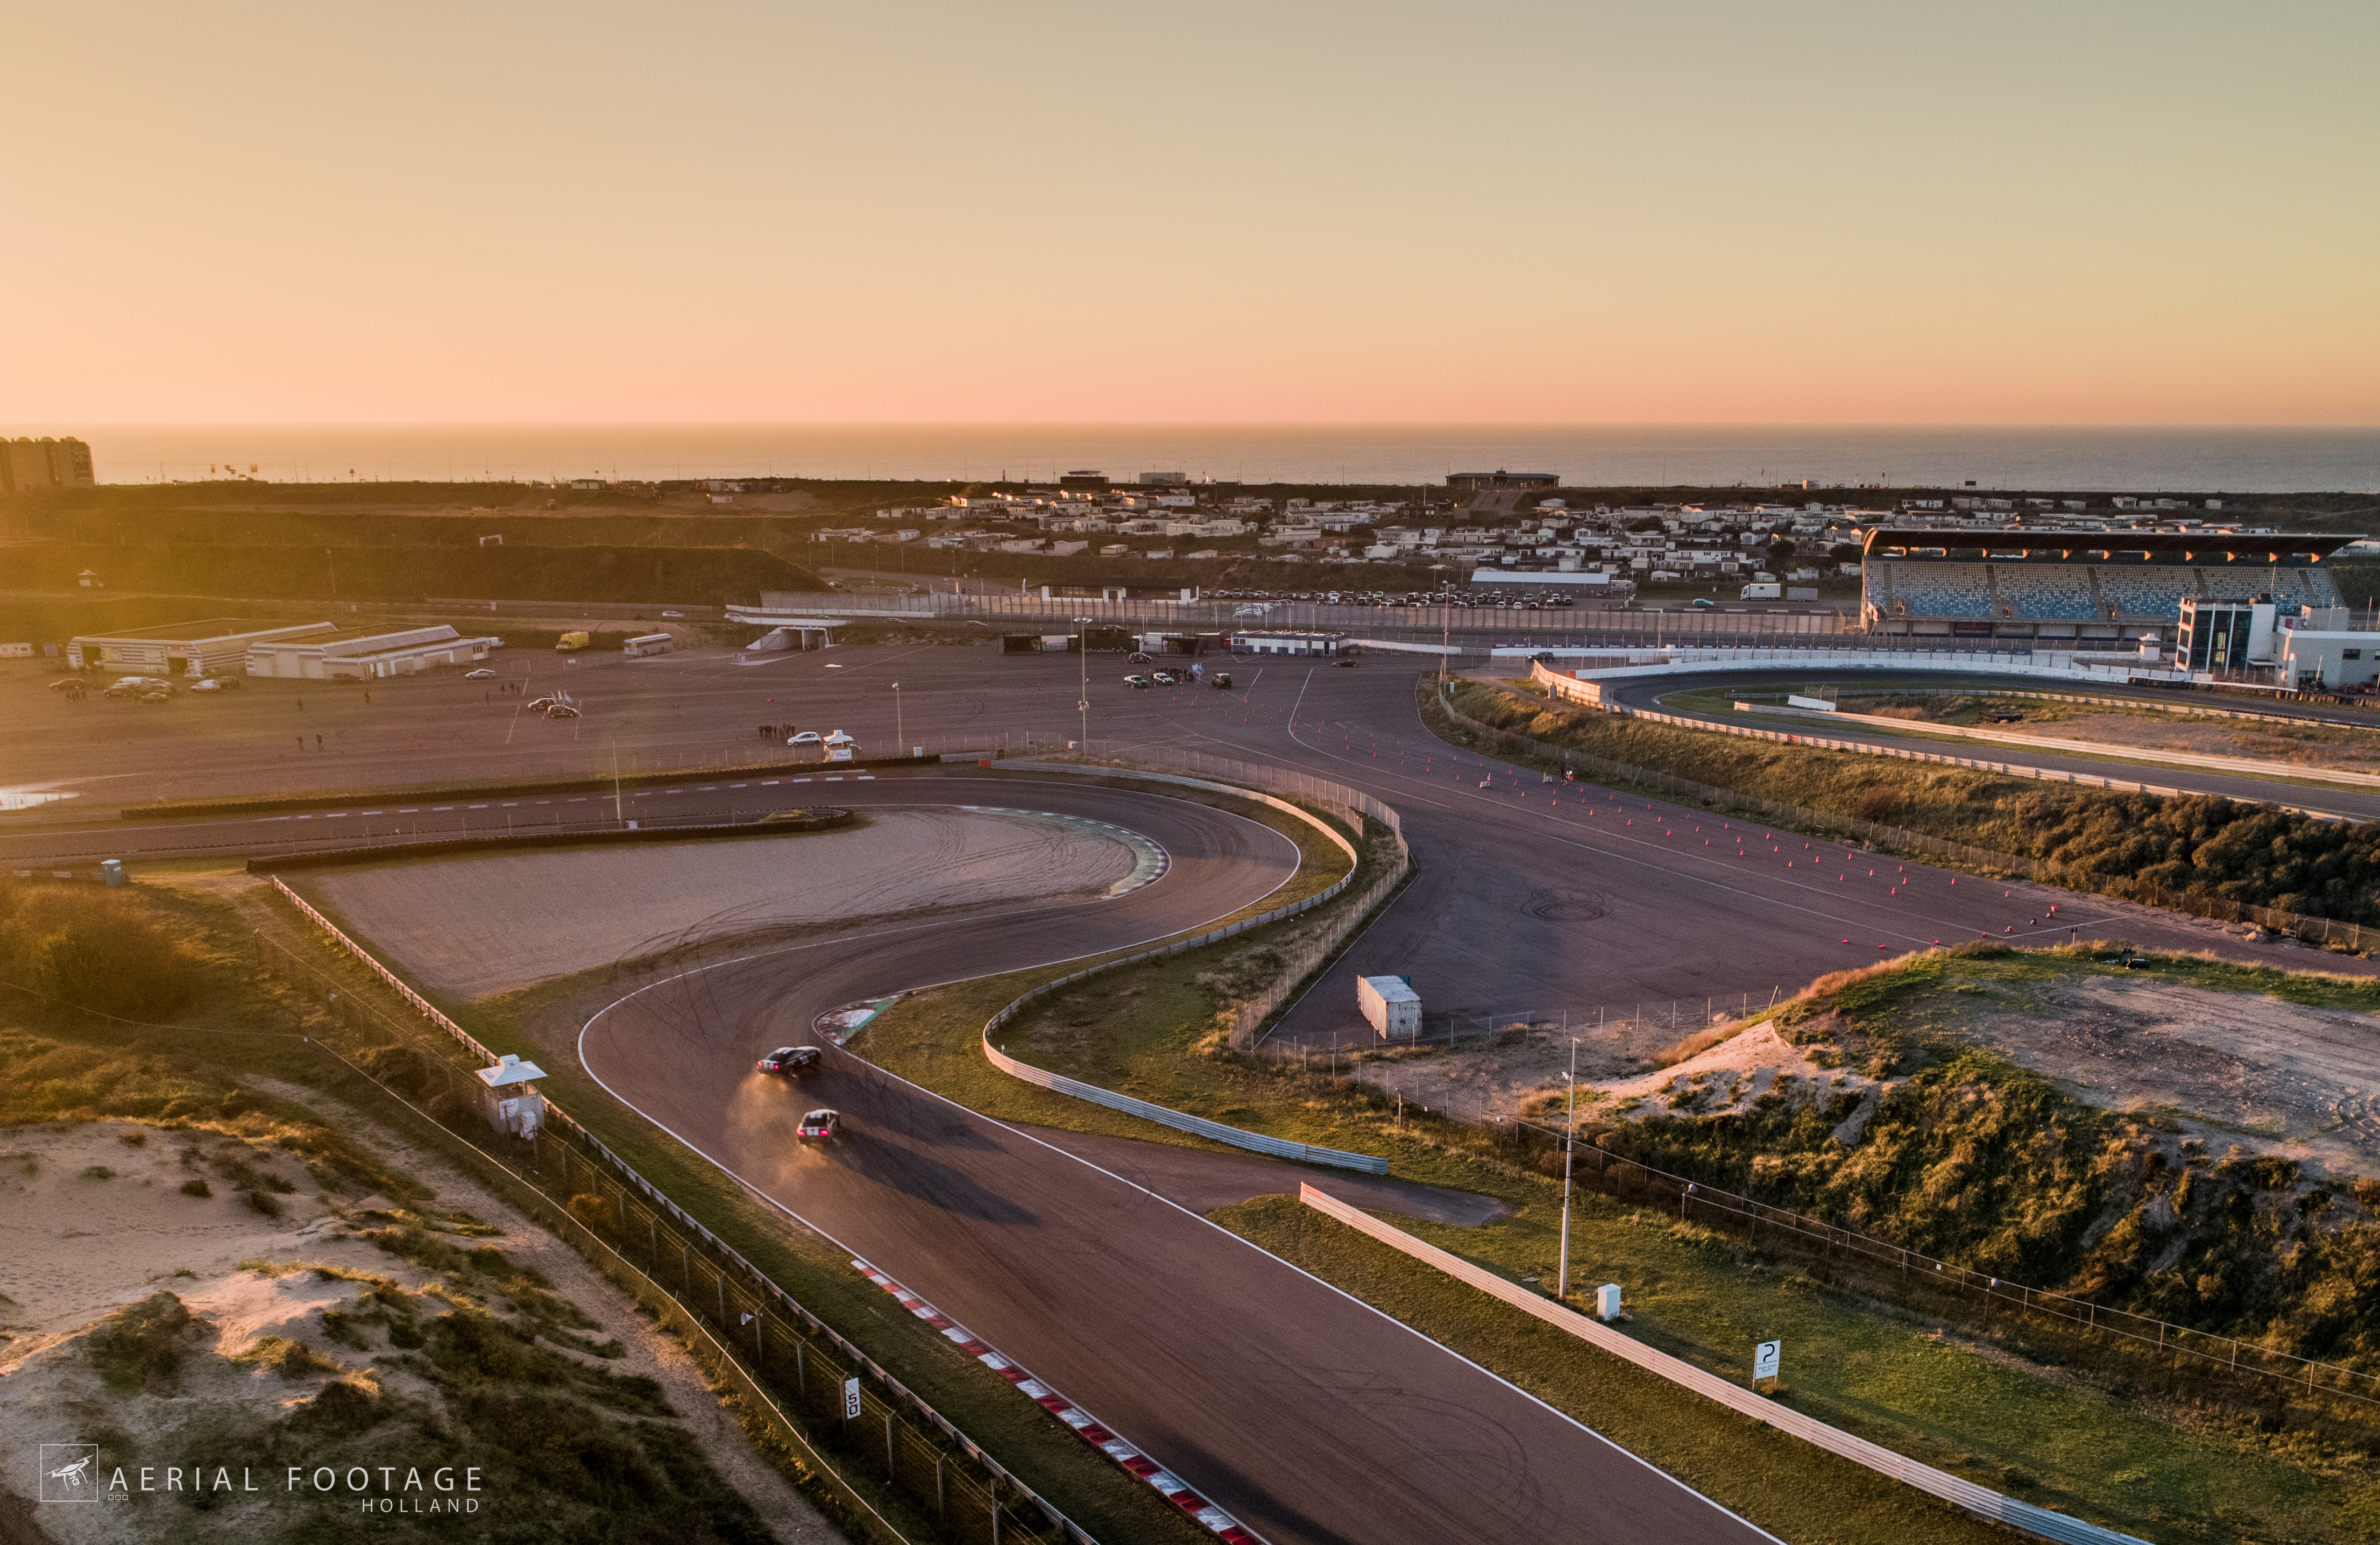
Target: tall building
{"x":26,"y":464}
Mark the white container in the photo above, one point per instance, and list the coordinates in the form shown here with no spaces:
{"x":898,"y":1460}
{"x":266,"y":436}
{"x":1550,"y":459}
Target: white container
{"x":1389,"y":1006}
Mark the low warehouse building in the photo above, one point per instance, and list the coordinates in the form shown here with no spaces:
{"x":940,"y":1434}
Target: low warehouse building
{"x":1287,"y":640}
{"x":357,"y":655}
{"x":217,"y":646}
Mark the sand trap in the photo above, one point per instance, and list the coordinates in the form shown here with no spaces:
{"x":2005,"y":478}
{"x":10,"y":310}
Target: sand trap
{"x":472,"y":927}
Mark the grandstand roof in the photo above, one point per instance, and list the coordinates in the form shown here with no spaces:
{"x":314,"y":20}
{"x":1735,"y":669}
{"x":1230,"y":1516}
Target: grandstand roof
{"x":2041,"y":545}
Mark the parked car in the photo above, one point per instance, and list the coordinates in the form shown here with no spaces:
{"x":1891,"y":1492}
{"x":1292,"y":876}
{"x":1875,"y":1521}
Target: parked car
{"x":673,"y":615}
{"x":1138,"y":683}
{"x":1136,"y":658}
{"x":807,"y":738}
{"x":819,"y":1126}
{"x":480,"y":675}
{"x":791,"y":1061}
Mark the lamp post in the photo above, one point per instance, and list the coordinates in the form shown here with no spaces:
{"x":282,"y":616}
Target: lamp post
{"x":1083,"y":656}
{"x":900,"y":737}
{"x":1570,"y":1134}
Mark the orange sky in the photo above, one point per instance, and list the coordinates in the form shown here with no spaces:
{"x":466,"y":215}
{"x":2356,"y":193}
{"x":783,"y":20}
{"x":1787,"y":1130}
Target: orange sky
{"x":1560,"y":212}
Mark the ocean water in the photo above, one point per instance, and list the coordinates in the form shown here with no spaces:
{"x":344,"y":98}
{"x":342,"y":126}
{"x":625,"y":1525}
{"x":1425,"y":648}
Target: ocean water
{"x":2243,"y":460}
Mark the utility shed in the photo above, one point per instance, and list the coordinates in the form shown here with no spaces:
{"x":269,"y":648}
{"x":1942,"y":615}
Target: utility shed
{"x":1391,"y":1004}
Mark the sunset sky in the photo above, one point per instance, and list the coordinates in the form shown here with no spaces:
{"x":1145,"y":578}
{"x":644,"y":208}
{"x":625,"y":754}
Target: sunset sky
{"x":1487,"y":211}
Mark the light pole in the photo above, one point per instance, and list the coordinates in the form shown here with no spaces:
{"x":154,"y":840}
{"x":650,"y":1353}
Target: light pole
{"x":1083,"y":655}
{"x":1570,"y":1134}
{"x":900,"y":737}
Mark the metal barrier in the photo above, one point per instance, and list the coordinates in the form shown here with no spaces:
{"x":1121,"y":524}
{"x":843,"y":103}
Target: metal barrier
{"x":1980,"y":1500}
{"x":754,"y":1302}
{"x":1310,"y":788}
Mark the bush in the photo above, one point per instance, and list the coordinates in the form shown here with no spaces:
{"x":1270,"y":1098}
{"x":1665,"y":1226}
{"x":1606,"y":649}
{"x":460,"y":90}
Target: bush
{"x":139,"y":1346}
{"x":197,"y":1188}
{"x":95,"y":951}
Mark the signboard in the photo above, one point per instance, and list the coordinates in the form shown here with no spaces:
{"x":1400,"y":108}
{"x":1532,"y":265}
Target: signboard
{"x":850,"y":1399}
{"x":1766,"y":1359}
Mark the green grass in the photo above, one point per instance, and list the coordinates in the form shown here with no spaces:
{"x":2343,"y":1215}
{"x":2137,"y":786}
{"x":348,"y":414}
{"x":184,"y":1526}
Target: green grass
{"x":2018,"y":1412}
{"x":2012,"y":1429}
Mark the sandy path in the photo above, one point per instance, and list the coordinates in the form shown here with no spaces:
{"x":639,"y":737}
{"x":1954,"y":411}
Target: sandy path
{"x":478,"y":926}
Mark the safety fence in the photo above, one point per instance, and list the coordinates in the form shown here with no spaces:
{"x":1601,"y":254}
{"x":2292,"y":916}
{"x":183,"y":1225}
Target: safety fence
{"x":1224,"y":615}
{"x":1249,"y":1017}
{"x":2353,"y":938}
{"x":1980,"y":1500}
{"x":814,"y":1388}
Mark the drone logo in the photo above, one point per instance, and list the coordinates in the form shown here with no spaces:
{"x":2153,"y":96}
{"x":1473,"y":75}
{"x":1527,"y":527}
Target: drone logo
{"x":70,"y":1472}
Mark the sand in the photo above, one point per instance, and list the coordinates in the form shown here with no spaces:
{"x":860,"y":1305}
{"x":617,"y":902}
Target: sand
{"x":73,"y":1248}
{"x":478,"y":926}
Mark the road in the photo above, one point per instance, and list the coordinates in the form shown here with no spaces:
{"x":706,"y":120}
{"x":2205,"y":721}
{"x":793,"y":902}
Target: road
{"x":1305,"y":1414}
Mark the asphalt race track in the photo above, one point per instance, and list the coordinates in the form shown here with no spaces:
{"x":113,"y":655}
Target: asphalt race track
{"x":1307,"y":1416}
{"x":2356,"y":804}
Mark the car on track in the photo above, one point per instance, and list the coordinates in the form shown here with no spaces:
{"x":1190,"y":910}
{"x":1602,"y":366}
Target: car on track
{"x":1221,"y":681}
{"x":791,"y":1061}
{"x":481,"y":674}
{"x":806,"y":737}
{"x":1166,"y":678}
{"x":819,"y":1126}
{"x":1703,"y":604}
{"x":673,"y":615}
{"x":1344,"y":664}
{"x":216,"y":684}
{"x":1136,"y":658}
{"x":1137,"y":682}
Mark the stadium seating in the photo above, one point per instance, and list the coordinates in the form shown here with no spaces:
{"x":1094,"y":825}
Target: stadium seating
{"x":2310,"y":586}
{"x":1934,"y":590}
{"x":2047,"y":593}
{"x":2147,"y":590}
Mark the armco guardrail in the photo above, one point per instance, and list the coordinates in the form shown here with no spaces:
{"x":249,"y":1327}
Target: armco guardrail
{"x":2314,"y":931}
{"x":1300,"y":783}
{"x":1979,"y":1500}
{"x":763,"y":1286}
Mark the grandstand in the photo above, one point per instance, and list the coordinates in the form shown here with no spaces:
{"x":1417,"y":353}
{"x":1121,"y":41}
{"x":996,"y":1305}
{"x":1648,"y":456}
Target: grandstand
{"x":2078,"y":590}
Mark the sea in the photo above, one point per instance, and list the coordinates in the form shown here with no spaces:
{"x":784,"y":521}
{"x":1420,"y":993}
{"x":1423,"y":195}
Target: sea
{"x":2137,"y":460}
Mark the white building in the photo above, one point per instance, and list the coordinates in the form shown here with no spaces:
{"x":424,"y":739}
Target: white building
{"x":359,"y":655}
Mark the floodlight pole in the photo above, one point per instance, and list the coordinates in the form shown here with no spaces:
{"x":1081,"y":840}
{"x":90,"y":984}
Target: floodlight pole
{"x":900,"y":737}
{"x":1570,"y":1134}
{"x":1083,"y":657}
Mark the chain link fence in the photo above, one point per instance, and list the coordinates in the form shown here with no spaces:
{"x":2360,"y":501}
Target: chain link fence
{"x":815,"y":1393}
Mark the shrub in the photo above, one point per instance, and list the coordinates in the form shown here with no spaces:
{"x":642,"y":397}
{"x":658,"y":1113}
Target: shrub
{"x":197,"y":1188}
{"x":95,"y":951}
{"x":139,"y":1346}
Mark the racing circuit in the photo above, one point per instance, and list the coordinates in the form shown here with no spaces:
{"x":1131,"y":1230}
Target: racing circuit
{"x":1306,"y":1414}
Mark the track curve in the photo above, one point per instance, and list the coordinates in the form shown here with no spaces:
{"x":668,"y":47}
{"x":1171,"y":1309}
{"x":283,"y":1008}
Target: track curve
{"x":1308,"y":1415}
